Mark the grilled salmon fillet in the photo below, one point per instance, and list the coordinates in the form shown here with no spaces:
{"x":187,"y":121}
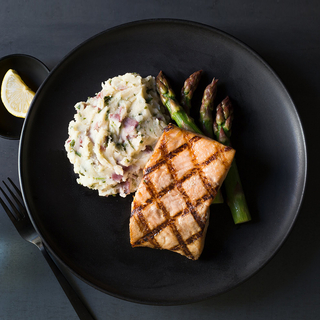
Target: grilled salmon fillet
{"x":180,"y":181}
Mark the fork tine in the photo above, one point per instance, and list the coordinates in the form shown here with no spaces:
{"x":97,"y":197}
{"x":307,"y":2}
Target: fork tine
{"x":7,"y":210}
{"x":15,"y":187}
{"x":18,"y":214}
{"x":19,"y":202}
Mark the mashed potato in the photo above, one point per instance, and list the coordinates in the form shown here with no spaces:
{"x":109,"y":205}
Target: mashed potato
{"x":113,"y":134}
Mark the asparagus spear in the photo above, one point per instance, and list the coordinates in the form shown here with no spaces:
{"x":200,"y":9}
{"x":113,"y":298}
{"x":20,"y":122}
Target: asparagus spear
{"x":177,"y":113}
{"x":169,"y":100}
{"x":188,"y":89}
{"x":223,"y":121}
{"x":206,"y":109}
{"x":235,"y":196}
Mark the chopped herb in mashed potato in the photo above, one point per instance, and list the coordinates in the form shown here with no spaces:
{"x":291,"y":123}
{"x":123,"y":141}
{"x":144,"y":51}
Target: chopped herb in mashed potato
{"x":113,"y":134}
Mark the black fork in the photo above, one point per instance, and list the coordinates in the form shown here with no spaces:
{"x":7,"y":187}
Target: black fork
{"x":19,"y":217}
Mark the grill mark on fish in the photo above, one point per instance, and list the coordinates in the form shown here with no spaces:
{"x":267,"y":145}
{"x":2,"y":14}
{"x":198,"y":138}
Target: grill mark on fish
{"x":194,"y":237}
{"x":209,"y":160}
{"x":169,"y":127}
{"x":182,"y":244}
{"x":194,"y":212}
{"x":194,"y":139}
{"x":223,"y":151}
{"x":188,"y":175}
{"x":143,"y":225}
{"x":166,"y":190}
{"x":190,"y":240}
{"x":212,"y":190}
{"x":173,"y":153}
{"x":155,"y":167}
{"x":163,"y":161}
{"x":203,"y":199}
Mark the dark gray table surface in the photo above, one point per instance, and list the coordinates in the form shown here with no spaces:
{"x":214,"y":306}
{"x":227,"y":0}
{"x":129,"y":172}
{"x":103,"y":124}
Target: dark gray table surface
{"x":287,"y":35}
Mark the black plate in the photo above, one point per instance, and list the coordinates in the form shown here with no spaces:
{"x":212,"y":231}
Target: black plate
{"x":33,"y":72}
{"x":89,"y":234}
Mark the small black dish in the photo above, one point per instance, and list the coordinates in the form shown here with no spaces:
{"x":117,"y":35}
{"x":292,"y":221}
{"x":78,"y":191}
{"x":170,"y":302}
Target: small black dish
{"x":33,"y":72}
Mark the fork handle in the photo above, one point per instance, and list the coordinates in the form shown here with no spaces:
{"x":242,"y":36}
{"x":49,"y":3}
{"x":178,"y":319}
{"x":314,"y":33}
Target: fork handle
{"x":76,"y":302}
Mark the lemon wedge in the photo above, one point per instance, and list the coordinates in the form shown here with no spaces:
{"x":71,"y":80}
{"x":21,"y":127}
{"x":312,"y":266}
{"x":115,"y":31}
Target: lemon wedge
{"x":15,"y":94}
